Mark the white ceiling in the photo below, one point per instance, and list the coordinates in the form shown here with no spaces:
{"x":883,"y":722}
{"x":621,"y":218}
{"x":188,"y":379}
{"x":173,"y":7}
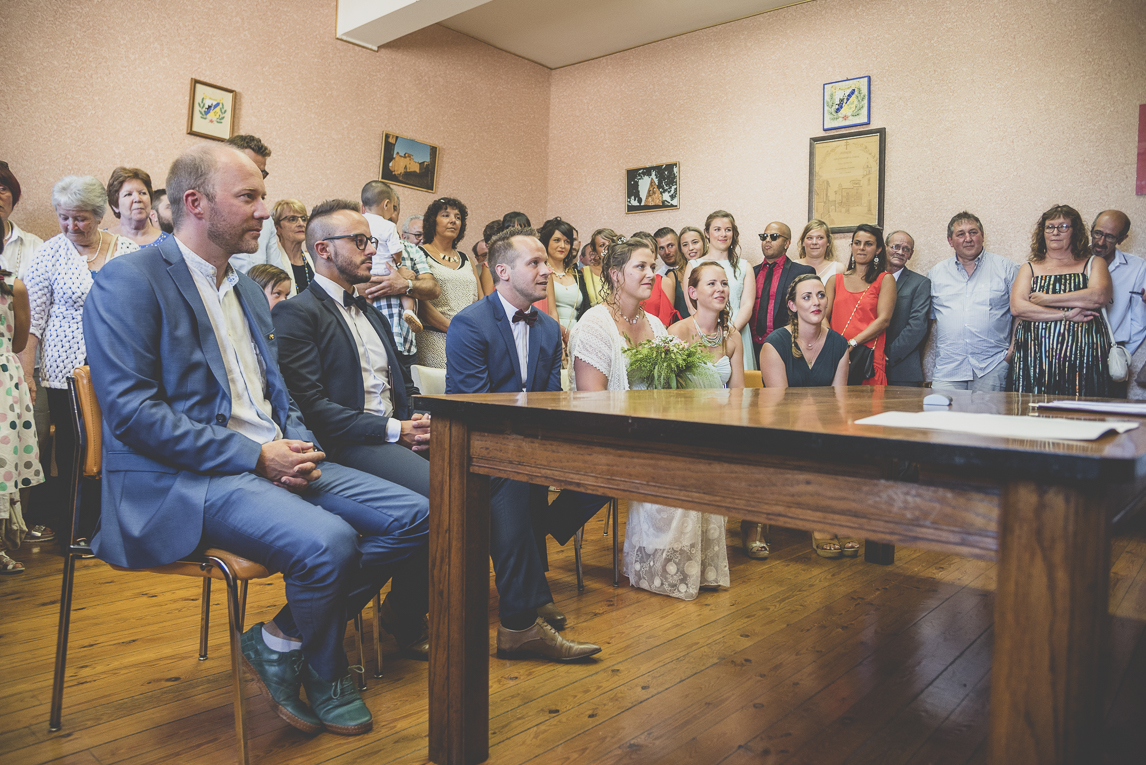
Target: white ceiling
{"x":553,"y":33}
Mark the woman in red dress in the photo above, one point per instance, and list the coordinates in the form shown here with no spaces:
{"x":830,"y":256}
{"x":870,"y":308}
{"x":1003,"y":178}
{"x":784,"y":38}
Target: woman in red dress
{"x":862,"y":299}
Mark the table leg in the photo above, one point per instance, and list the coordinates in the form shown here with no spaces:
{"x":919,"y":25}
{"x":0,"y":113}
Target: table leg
{"x":1051,"y":625}
{"x":459,"y":601}
{"x":878,"y":552}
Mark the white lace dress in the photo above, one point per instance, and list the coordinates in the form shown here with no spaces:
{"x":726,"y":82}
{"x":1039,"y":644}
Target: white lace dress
{"x":459,"y":289}
{"x":668,"y":550}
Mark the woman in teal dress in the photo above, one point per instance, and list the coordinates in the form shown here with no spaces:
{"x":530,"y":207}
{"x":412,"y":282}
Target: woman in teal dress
{"x":1061,"y":343}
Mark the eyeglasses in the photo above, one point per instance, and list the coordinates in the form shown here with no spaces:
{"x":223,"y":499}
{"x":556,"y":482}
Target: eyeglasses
{"x":773,"y":237}
{"x":265,"y":174}
{"x":903,"y":248}
{"x":295,"y":219}
{"x":1062,"y":227}
{"x":360,"y":240}
{"x":1096,"y":234}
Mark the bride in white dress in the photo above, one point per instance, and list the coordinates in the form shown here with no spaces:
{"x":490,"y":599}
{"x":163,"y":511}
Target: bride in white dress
{"x":668,"y":550}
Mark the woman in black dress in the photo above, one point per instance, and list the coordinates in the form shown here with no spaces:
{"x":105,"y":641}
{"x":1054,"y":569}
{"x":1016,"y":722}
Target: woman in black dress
{"x":804,"y":354}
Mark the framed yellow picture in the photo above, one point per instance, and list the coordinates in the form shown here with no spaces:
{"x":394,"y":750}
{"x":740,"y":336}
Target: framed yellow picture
{"x":409,"y":163}
{"x":211,"y":111}
{"x":845,"y":179}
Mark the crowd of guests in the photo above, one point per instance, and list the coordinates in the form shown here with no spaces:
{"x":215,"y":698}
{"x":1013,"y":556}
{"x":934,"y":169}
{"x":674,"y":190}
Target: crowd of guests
{"x":209,"y":393}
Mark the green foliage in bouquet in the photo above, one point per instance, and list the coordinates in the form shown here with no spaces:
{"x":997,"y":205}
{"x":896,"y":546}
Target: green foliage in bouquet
{"x":667,"y":363}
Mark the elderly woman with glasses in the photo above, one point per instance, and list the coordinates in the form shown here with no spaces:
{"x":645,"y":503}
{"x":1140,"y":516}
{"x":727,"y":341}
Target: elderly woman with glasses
{"x":443,"y":226}
{"x":58,"y":282}
{"x":1061,"y":341}
{"x":290,"y":220}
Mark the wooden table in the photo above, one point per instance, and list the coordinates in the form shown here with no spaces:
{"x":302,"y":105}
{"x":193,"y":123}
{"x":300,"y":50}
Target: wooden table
{"x":1042,"y":509}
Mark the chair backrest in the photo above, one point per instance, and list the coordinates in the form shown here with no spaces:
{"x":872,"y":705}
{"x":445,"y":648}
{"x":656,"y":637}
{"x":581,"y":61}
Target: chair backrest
{"x":430,"y":380}
{"x":753,"y":379}
{"x":88,"y":419}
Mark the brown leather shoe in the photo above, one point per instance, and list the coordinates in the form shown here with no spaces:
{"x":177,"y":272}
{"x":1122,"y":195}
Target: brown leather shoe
{"x":413,"y":639}
{"x":552,"y":614}
{"x":540,"y":640}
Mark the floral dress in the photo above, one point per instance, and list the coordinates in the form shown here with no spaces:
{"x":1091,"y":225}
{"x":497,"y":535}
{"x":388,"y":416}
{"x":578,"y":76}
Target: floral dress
{"x":19,"y":451}
{"x":668,"y":550}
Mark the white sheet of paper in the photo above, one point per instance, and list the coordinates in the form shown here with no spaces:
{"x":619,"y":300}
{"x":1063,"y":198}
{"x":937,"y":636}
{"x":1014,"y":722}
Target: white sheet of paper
{"x":1000,"y":425}
{"x":1129,"y":408}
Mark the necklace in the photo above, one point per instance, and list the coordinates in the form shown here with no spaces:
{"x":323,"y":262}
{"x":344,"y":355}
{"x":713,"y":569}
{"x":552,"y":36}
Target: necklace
{"x":709,"y":341}
{"x":99,"y":246}
{"x":816,"y":339}
{"x":447,"y":258}
{"x":635,"y":319}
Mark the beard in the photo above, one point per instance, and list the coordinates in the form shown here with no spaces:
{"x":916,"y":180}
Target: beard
{"x":230,"y":237}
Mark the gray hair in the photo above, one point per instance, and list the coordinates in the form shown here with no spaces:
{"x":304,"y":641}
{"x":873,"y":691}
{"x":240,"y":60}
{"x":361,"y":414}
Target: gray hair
{"x":193,"y":169}
{"x":406,"y":223}
{"x":900,"y":231}
{"x":80,"y":192}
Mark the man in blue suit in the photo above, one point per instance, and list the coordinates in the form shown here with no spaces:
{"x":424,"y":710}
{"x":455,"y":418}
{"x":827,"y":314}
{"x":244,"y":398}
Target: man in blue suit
{"x":503,"y":344}
{"x":338,"y":357}
{"x":203,"y":446}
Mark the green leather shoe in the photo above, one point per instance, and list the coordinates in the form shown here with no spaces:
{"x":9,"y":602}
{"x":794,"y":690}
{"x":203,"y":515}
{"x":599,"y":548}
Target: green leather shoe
{"x":338,"y":703}
{"x":279,"y":675}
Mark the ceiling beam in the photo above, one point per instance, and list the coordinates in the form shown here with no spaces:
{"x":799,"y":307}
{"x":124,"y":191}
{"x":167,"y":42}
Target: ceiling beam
{"x":373,"y":23}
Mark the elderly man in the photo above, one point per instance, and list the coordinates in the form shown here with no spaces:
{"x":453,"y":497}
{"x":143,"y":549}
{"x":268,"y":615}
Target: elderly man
{"x":412,"y":278}
{"x":1126,"y":311}
{"x":204,"y":447}
{"x":971,"y":311}
{"x":412,"y":229}
{"x":909,"y":323}
{"x":503,"y":344}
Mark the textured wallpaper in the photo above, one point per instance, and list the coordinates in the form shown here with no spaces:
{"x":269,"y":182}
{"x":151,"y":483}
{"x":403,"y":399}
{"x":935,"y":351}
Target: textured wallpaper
{"x":1001,"y":107}
{"x":90,"y":86}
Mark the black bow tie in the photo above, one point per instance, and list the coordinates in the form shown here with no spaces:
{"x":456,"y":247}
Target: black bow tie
{"x":355,"y":300}
{"x":529,"y":318}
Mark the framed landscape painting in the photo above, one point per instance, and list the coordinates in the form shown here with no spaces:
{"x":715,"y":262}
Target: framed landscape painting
{"x":211,"y":111}
{"x":409,"y":163}
{"x":653,"y":187}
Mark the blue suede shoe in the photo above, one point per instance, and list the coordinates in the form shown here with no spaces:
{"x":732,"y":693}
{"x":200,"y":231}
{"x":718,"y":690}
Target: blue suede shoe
{"x":338,"y":704}
{"x":279,"y":675}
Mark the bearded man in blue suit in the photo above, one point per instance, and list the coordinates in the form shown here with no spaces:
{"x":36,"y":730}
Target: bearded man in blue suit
{"x":503,"y":344}
{"x":203,"y":446}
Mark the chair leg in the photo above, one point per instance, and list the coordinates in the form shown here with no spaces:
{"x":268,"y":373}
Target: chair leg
{"x":378,"y":632}
{"x":54,"y":721}
{"x":234,"y":616}
{"x":608,"y":514}
{"x":242,"y":605}
{"x":615,"y":509}
{"x":577,"y":558}
{"x":361,"y":654}
{"x":205,"y":618}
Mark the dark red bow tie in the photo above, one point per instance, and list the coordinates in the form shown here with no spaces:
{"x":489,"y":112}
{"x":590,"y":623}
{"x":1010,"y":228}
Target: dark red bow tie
{"x":529,"y":318}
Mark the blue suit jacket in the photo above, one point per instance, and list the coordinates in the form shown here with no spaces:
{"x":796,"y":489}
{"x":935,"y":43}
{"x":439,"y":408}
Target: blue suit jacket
{"x":320,"y":362}
{"x":481,"y":356}
{"x":159,"y":377}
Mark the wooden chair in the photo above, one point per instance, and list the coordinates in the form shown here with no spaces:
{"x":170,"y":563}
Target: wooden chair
{"x":753,"y":379}
{"x":612,"y":512}
{"x":211,"y":563}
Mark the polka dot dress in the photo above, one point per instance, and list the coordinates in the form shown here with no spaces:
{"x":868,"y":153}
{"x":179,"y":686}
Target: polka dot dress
{"x":19,"y":453}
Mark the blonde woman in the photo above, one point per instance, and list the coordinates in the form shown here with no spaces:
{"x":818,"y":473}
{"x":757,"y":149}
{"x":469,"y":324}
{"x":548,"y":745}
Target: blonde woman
{"x":724,"y":248}
{"x":290,"y":220}
{"x":816,"y":250}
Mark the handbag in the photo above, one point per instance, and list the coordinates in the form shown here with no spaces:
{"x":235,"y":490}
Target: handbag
{"x":861,"y":359}
{"x":1118,"y":360}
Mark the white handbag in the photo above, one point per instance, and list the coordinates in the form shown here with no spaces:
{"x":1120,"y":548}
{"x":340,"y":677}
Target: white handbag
{"x":1118,"y":361}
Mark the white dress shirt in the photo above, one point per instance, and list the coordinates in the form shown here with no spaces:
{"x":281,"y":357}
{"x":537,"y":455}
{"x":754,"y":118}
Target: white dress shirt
{"x":18,"y":249}
{"x":520,"y":331}
{"x":1127,"y":312}
{"x":373,"y":361}
{"x":251,"y":413}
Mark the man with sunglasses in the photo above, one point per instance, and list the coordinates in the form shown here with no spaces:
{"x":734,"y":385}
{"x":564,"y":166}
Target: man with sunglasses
{"x":773,"y":277}
{"x":1127,"y":311}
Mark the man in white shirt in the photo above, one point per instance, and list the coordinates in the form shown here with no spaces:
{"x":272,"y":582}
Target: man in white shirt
{"x":1127,"y":311}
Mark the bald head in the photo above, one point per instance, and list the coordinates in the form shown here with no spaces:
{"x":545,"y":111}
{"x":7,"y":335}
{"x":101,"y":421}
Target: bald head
{"x":775,"y":246}
{"x":1109,"y":230}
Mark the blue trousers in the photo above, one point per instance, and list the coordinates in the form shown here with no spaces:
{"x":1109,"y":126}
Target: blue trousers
{"x":336,"y":544}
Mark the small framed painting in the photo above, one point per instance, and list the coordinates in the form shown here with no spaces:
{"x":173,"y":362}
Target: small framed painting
{"x":409,"y":163}
{"x":211,"y":111}
{"x":847,"y":103}
{"x":653,"y":187}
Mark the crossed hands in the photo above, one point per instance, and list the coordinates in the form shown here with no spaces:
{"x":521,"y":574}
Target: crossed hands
{"x":289,"y":463}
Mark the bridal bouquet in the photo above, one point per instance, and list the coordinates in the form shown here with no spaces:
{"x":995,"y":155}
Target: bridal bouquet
{"x":667,"y":362}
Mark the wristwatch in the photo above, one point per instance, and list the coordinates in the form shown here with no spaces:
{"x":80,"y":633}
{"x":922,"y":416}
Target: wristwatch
{"x":852,"y":343}
{"x":409,"y":286}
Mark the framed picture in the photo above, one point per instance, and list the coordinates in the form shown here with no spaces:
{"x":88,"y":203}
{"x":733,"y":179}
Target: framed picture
{"x":211,"y":111}
{"x":409,"y":163}
{"x":847,"y":103}
{"x":654,"y":187}
{"x":845,"y":179}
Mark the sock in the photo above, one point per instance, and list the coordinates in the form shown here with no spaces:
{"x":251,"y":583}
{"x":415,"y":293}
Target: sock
{"x":518,"y":622}
{"x":282,"y":645}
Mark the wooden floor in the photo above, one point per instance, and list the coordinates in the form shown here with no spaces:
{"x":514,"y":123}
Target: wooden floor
{"x":802,"y":660}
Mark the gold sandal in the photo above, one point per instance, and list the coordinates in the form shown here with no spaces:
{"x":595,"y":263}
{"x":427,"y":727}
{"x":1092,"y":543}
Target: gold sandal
{"x":849,"y":552}
{"x":753,"y":542}
{"x":819,"y":546}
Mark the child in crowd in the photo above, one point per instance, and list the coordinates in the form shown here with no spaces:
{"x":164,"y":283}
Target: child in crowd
{"x":274,"y":281}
